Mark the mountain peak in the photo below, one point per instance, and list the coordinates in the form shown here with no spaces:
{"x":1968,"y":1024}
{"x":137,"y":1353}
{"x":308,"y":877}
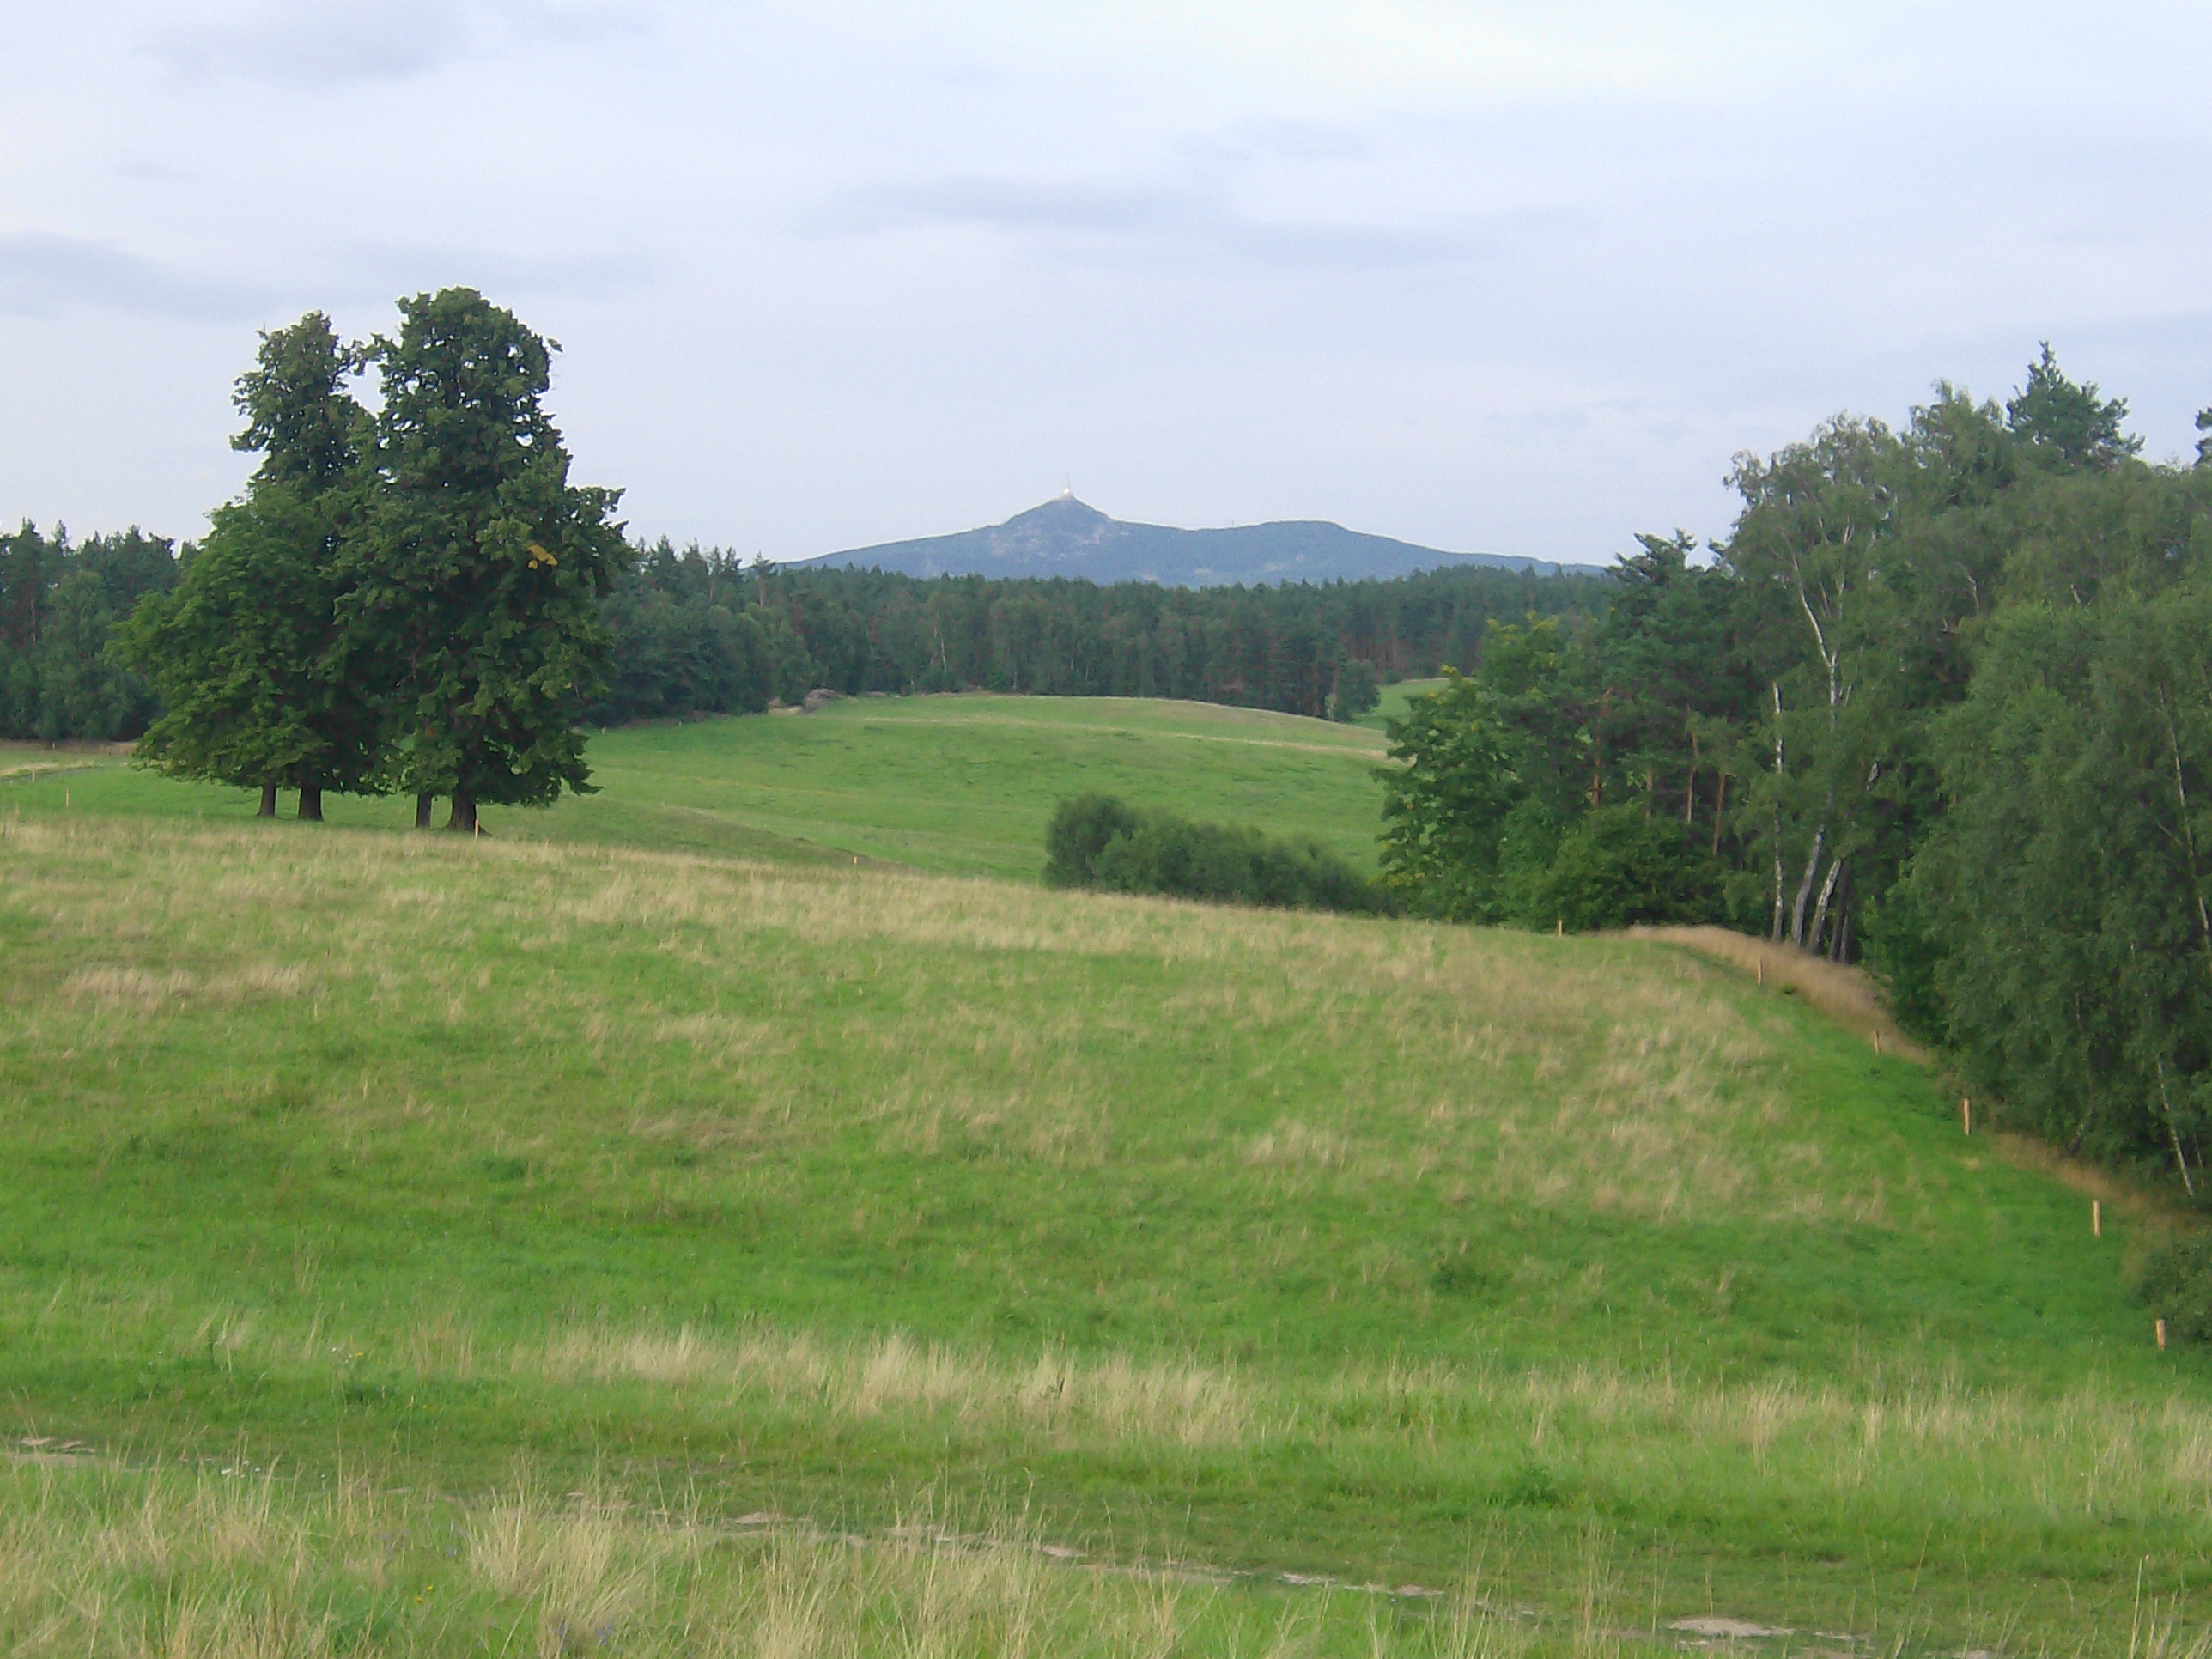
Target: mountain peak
{"x":1063,"y":509}
{"x":1066,"y":537}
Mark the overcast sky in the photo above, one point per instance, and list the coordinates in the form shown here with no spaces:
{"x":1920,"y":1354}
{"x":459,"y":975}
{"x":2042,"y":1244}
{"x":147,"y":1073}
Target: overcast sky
{"x":1503,"y":278}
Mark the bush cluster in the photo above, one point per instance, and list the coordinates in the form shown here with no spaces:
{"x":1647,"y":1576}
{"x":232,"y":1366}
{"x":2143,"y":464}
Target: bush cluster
{"x":1096,"y":840}
{"x":2177,"y":1283}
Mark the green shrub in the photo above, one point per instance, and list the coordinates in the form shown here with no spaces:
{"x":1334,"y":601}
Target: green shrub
{"x":1095,"y":841}
{"x":1077,"y":833}
{"x":1615,"y":867}
{"x":2178,"y":1284}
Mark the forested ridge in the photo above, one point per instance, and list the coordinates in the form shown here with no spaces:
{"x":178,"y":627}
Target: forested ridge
{"x":700,"y":630}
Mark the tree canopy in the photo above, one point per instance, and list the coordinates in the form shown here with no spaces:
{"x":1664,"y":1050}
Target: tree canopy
{"x":1941,"y":701}
{"x":478,"y":570}
{"x":258,"y":687}
{"x":409,"y":601}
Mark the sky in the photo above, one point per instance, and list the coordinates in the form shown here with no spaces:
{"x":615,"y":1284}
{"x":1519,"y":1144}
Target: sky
{"x":1495,"y":278}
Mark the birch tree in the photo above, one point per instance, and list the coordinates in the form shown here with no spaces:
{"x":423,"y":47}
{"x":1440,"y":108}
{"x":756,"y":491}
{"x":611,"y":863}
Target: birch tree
{"x":1808,"y":545}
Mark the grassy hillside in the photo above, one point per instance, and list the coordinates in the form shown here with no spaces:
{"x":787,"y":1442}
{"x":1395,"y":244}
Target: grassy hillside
{"x":1395,"y":699}
{"x":961,"y":785}
{"x":606,"y":1246}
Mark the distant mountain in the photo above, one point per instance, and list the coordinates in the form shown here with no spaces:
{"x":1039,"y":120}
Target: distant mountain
{"x":1066,"y":537}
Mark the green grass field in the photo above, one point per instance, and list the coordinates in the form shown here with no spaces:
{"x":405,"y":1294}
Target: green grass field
{"x":1395,"y":699}
{"x":553,"y":1243}
{"x":956,"y":785}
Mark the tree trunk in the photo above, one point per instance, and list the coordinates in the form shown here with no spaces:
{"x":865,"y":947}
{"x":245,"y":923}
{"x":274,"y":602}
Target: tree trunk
{"x":311,"y":803}
{"x":1690,"y":783}
{"x":2081,"y":1129}
{"x":1827,"y":893}
{"x":464,"y":815}
{"x":1805,"y":888}
{"x":2188,"y":831}
{"x":1719,"y":805}
{"x":1776,"y":933}
{"x":268,"y":801}
{"x":422,"y":804}
{"x":2167,"y":1101}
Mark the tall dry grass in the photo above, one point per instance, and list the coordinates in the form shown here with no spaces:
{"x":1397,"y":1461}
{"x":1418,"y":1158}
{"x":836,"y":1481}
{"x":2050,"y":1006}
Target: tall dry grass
{"x":1871,"y":1439}
{"x":1847,"y":995}
{"x":1110,"y":1402}
{"x":183,"y":1564}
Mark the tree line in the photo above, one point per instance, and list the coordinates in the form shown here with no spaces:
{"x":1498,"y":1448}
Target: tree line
{"x":701,"y":630}
{"x":60,"y":601}
{"x":1941,"y":701}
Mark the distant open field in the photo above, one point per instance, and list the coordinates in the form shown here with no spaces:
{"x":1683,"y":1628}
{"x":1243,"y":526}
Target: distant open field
{"x":414,"y":1245}
{"x":1395,"y":698}
{"x":960,"y":785}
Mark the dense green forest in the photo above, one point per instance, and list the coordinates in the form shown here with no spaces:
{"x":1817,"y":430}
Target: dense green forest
{"x":702,"y":632}
{"x":1942,"y":701}
{"x":698,"y":630}
{"x":59,"y":603}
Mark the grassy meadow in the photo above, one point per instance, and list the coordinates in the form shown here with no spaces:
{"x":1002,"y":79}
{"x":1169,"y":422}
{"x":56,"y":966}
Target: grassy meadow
{"x":554,"y":1242}
{"x":1395,"y":699}
{"x":953,"y":784}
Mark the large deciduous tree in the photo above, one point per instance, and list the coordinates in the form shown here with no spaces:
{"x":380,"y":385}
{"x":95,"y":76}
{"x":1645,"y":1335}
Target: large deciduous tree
{"x":2073,"y":874}
{"x":256,"y":684}
{"x":1809,"y":546}
{"x":478,"y":572}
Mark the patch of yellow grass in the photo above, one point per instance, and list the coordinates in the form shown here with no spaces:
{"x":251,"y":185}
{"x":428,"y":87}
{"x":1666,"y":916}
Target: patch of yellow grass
{"x":1847,"y":995}
{"x":1115,"y":1399}
{"x":125,"y":1566}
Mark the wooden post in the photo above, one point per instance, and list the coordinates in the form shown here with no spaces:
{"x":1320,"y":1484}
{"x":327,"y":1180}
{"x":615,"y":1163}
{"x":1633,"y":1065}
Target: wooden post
{"x":1761,"y":964}
{"x":1965,"y":1115}
{"x":2162,"y":1334}
{"x":1877,"y":1045}
{"x":1558,"y":926}
{"x":2096,"y":1219}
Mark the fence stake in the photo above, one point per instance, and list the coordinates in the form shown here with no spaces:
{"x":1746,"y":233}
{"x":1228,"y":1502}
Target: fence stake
{"x":2161,"y":1333}
{"x":1965,"y":1115}
{"x":2096,"y":1219}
